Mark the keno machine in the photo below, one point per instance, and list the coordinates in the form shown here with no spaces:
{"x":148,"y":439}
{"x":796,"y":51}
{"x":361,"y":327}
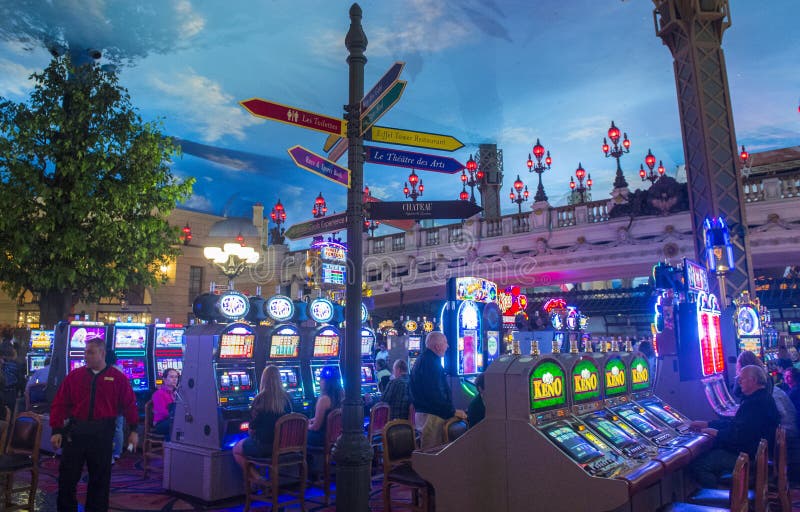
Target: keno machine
{"x":218,"y":386}
{"x":284,"y":349}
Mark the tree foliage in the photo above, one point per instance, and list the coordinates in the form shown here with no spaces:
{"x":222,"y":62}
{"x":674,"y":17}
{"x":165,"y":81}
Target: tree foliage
{"x":85,"y":190}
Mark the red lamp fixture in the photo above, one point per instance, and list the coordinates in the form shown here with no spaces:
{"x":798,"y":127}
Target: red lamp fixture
{"x":417,"y":188}
{"x":539,"y":168}
{"x":579,"y":187}
{"x":240,"y":239}
{"x":463,"y":195}
{"x":747,"y":162}
{"x":186,"y":237}
{"x":472,"y":178}
{"x":278,"y":214}
{"x":320,"y":208}
{"x":517,"y":195}
{"x":650,"y":161}
{"x":616,"y":150}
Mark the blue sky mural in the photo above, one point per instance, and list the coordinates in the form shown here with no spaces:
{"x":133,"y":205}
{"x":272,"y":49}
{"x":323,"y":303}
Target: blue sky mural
{"x":504,"y":72}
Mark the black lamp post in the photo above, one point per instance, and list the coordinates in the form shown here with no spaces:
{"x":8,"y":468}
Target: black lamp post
{"x":651,"y":176}
{"x":278,"y":216}
{"x":320,"y":208}
{"x":416,"y":186}
{"x":580,"y":188}
{"x":475,"y":178}
{"x":616,"y":151}
{"x":539,"y":168}
{"x":517,"y":195}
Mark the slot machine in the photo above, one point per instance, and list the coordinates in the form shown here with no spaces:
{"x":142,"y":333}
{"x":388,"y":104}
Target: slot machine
{"x":461,"y":321}
{"x":749,"y":328}
{"x":322,"y":345}
{"x":492,"y":328}
{"x":69,"y":349}
{"x":166,"y":350}
{"x":415,"y":348}
{"x":129,"y":343}
{"x":212,"y":412}
{"x":369,"y":384}
{"x":284,"y":350}
{"x":40,"y":347}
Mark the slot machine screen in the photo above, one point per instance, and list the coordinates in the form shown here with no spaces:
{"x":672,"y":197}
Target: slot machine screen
{"x":289,"y":378}
{"x":569,"y":441}
{"x":163,"y":364}
{"x":367,"y":341}
{"x":37,"y":363}
{"x":42,"y":340}
{"x":169,"y":338}
{"x":135,"y":338}
{"x":367,"y":374}
{"x":236,"y":346}
{"x":284,"y":346}
{"x":136,"y":372}
{"x":79,"y":335}
{"x":415,"y":343}
{"x":585,"y":381}
{"x":326,"y":345}
{"x":663,"y":415}
{"x":613,"y":433}
{"x":547,"y":390}
{"x":236,"y":386}
{"x":76,"y":363}
{"x":640,"y":374}
{"x":317,"y":370}
{"x":615,"y":377}
{"x":639,"y":422}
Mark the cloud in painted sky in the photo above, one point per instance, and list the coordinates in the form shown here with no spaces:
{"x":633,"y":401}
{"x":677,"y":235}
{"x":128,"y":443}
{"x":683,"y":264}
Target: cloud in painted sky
{"x":14,"y":78}
{"x":203,"y":103}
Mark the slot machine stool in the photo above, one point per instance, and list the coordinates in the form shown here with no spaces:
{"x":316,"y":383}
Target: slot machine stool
{"x":333,"y":429}
{"x":398,"y":444}
{"x":738,"y":501}
{"x":21,"y":454}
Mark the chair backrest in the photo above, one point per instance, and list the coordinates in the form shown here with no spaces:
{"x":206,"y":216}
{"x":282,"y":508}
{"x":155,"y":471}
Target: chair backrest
{"x":35,"y":394}
{"x":333,"y":428}
{"x":399,"y":442}
{"x":412,"y":413}
{"x":148,"y":417}
{"x":762,"y":477}
{"x":453,"y":429}
{"x":781,"y":468}
{"x":740,"y":482}
{"x":4,"y":426}
{"x":291,"y":434}
{"x":26,"y":436}
{"x":378,"y":417}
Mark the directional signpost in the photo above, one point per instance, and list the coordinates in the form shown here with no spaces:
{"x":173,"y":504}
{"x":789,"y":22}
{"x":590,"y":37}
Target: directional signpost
{"x":292,"y":115}
{"x":416,"y":210}
{"x":327,"y":224}
{"x":412,"y":138}
{"x":419,"y":161}
{"x":382,"y":105}
{"x":337,"y":150}
{"x":382,"y":85}
{"x":319,"y":165}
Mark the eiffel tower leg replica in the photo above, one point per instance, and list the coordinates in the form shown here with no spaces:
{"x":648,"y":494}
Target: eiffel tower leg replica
{"x":692,"y":30}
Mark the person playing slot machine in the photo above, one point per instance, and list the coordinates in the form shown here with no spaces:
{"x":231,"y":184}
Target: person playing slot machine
{"x":397,"y":394}
{"x":430,"y":392}
{"x":269,"y":405}
{"x":164,"y":403}
{"x":82,"y":417}
{"x":330,"y":398}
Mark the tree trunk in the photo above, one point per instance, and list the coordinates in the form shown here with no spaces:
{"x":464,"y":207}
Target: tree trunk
{"x":54,"y":306}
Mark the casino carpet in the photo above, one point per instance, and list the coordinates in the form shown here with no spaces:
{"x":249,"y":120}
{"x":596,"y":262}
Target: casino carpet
{"x":131,"y":493}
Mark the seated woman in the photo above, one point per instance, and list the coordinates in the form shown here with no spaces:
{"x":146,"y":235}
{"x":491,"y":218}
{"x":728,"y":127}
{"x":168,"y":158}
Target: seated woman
{"x":330,"y":398}
{"x":164,"y":403}
{"x":269,"y":405}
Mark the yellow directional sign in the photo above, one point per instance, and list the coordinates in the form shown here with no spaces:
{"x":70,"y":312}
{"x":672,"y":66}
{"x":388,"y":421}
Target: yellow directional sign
{"x":330,"y":141}
{"x":412,"y":138}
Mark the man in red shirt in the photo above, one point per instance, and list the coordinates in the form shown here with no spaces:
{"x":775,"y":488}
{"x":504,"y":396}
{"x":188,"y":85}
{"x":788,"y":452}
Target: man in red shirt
{"x":82,"y":417}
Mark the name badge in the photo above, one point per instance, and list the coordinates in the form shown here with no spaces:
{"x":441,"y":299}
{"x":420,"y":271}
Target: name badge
{"x":109,"y":378}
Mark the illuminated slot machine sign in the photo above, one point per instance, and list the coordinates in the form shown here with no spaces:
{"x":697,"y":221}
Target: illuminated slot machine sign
{"x":285,"y":343}
{"x":41,"y":344}
{"x":334,"y":259}
{"x":547,"y":387}
{"x":236,"y":344}
{"x":236,"y":385}
{"x":168,"y":349}
{"x":615,"y":382}
{"x":367,"y":341}
{"x":585,"y":381}
{"x":79,"y":333}
{"x":640,"y":374}
{"x":469,"y":292}
{"x":706,"y":331}
{"x":748,"y":327}
{"x":130,"y":346}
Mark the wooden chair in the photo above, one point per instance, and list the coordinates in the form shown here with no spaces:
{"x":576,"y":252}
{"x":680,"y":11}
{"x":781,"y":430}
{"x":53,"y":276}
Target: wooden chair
{"x":333,"y":429}
{"x":378,"y":417}
{"x":738,"y":494}
{"x":22,"y":454}
{"x":782,"y":496}
{"x":398,"y":444}
{"x":453,"y":429}
{"x":5,"y":422}
{"x":288,"y":450}
{"x":152,"y":443}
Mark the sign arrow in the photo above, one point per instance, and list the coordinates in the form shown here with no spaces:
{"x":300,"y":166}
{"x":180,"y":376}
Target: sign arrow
{"x":386,"y":210}
{"x":328,"y":224}
{"x":293,"y":115}
{"x":330,"y":142}
{"x":382,"y":85}
{"x":382,"y":105}
{"x":412,"y":138}
{"x":338,"y":149}
{"x":312,"y":162}
{"x":419,"y":161}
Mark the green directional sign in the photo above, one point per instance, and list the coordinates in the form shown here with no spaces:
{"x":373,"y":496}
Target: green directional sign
{"x":384,"y":103}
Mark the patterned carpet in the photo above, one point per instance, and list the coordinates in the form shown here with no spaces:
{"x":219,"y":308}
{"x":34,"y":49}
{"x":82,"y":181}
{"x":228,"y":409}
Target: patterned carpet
{"x":131,"y":493}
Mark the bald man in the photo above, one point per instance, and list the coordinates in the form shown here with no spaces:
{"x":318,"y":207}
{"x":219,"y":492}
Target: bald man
{"x":757,"y":418}
{"x":430,"y":392}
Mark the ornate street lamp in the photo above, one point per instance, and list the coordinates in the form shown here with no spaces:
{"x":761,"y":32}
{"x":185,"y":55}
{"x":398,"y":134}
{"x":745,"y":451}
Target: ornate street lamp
{"x":186,"y":237}
{"x":320,"y":208}
{"x":616,"y":151}
{"x":232,"y":259}
{"x":539,"y":168}
{"x":463,"y":195}
{"x":747,"y":163}
{"x":473,"y":180}
{"x":517,"y":195}
{"x":370,"y":226}
{"x":650,"y":161}
{"x":580,"y":188}
{"x":278,"y":216}
{"x":416,"y":186}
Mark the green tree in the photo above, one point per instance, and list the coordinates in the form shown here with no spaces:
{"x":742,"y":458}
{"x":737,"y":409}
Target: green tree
{"x":85,"y":191}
